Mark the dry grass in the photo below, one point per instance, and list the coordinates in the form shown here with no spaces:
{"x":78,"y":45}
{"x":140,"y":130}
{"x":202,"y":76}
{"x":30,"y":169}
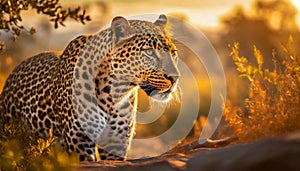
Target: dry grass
{"x":22,"y":150}
{"x":273,"y":104}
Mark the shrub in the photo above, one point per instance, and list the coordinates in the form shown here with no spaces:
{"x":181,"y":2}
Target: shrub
{"x":273,"y":104}
{"x":22,"y":150}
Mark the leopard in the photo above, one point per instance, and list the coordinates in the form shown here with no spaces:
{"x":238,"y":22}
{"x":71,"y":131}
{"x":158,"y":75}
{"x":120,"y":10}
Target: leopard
{"x":87,"y":94}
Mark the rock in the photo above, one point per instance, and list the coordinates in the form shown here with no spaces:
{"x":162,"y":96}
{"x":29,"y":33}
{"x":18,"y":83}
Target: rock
{"x":276,"y":153}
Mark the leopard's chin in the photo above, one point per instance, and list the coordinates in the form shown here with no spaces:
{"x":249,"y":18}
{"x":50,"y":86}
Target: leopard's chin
{"x":164,"y":97}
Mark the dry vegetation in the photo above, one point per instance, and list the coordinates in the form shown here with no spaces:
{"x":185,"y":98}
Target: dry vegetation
{"x":273,"y":105}
{"x":22,"y":150}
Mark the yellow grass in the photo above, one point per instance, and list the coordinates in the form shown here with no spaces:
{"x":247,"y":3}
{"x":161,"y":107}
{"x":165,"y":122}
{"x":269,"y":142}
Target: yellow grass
{"x":273,"y":103}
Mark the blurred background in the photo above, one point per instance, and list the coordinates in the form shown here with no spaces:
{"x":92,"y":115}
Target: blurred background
{"x":264,"y":23}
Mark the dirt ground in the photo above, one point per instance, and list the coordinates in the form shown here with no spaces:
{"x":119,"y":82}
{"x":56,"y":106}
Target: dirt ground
{"x":276,"y":153}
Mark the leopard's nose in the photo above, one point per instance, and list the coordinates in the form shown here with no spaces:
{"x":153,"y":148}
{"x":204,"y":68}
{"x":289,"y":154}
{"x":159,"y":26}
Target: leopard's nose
{"x":172,"y":78}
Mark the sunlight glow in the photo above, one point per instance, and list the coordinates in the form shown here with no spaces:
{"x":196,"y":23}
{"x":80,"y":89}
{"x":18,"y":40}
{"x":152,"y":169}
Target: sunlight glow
{"x":297,"y":5}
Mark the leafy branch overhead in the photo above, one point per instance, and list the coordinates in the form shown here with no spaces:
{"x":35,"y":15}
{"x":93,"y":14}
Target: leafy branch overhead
{"x":10,"y":14}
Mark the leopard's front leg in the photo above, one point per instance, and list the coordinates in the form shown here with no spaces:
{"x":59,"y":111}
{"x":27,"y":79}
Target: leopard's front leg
{"x":116,"y":139}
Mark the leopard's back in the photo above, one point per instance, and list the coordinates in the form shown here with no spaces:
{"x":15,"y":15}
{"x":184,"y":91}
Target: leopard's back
{"x":29,"y":92}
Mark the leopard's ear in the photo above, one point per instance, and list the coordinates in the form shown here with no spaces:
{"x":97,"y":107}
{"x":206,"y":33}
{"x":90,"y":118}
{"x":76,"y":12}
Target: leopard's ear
{"x":161,"y":21}
{"x":121,"y":29}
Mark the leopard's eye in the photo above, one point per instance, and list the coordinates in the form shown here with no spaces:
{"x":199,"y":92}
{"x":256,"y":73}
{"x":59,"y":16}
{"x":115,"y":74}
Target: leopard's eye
{"x":149,"y":52}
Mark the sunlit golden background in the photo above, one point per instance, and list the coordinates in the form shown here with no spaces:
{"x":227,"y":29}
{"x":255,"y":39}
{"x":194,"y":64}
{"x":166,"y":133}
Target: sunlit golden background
{"x":264,"y":23}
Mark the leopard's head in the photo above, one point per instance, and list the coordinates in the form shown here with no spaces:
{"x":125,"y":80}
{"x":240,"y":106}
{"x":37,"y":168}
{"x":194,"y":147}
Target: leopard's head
{"x":145,"y":53}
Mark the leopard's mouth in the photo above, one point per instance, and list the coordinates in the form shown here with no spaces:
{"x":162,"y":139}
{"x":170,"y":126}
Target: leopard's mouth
{"x":157,"y":94}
